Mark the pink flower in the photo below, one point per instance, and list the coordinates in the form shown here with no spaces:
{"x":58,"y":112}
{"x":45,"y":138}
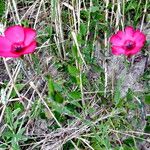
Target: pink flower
{"x":17,"y":41}
{"x":128,"y":42}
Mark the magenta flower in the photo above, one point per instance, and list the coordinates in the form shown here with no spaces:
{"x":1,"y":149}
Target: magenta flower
{"x":128,"y":42}
{"x":17,"y":41}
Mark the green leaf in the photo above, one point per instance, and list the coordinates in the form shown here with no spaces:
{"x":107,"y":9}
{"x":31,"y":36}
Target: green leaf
{"x":117,"y":94}
{"x":25,"y":23}
{"x":58,"y":98}
{"x":3,"y":146}
{"x":2,"y":7}
{"x":131,"y":5}
{"x":14,"y":144}
{"x":129,"y":95}
{"x":64,"y":110}
{"x":49,"y":30}
{"x":74,"y":52}
{"x":18,"y":105}
{"x":58,"y":87}
{"x":148,"y":18}
{"x":9,"y":116}
{"x":94,"y":8}
{"x":19,"y":88}
{"x":75,"y":95}
{"x":73,"y":71}
{"x":51,"y":91}
{"x":16,"y":112}
{"x":147,"y":127}
{"x":147,"y":99}
{"x":79,"y":38}
{"x":83,"y":29}
{"x":129,"y":141}
{"x":148,"y":42}
{"x":8,"y":134}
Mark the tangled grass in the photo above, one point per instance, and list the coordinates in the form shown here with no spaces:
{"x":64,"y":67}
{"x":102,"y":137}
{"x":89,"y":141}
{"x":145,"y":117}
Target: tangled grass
{"x":72,"y":93}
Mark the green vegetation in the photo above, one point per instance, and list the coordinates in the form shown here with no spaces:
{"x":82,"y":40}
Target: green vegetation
{"x":63,"y":96}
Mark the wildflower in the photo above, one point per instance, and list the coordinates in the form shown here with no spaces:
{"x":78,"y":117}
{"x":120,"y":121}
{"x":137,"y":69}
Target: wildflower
{"x":17,"y":41}
{"x":128,"y":42}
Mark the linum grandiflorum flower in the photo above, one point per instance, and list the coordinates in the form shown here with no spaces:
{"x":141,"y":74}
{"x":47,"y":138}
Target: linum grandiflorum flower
{"x":127,"y":42}
{"x":17,"y":41}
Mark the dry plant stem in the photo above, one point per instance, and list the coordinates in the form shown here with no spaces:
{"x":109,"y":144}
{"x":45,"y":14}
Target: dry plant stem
{"x":6,"y":13}
{"x":80,"y":67}
{"x":88,"y":25}
{"x":43,"y":45}
{"x":44,"y":143}
{"x":94,"y":42}
{"x":32,"y":7}
{"x":16,"y":11}
{"x":79,"y":52}
{"x":12,"y":79}
{"x":112,"y":13}
{"x":130,"y":135}
{"x":113,"y":83}
{"x":56,"y":17}
{"x":74,"y":18}
{"x":86,"y":142}
{"x":81,"y":88}
{"x":23,"y":117}
{"x":123,"y":11}
{"x":11,"y":9}
{"x":75,"y":129}
{"x":35,"y":88}
{"x":136,"y":132}
{"x":43,"y":101}
{"x":2,"y":113}
{"x":145,"y":10}
{"x":117,"y":136}
{"x":120,"y":2}
{"x":81,"y":129}
{"x":33,"y":10}
{"x":106,"y":51}
{"x":83,"y":1}
{"x":37,"y":15}
{"x":60,"y":29}
{"x":69,"y":6}
{"x":117,"y":17}
{"x":57,"y":44}
{"x":78,"y":14}
{"x":143,"y":111}
{"x":75,"y":146}
{"x":75,"y":134}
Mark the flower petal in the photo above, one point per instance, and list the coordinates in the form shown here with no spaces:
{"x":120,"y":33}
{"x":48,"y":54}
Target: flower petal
{"x":117,"y":39}
{"x":29,"y":36}
{"x":8,"y":54}
{"x":120,"y":34}
{"x":129,"y":32}
{"x":139,"y":38}
{"x":117,"y":50}
{"x":15,"y":34}
{"x":27,"y":50}
{"x":5,"y":47}
{"x":132,"y":52}
{"x":30,"y":48}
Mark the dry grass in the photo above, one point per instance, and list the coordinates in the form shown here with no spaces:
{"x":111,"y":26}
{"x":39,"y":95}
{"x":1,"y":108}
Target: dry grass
{"x":31,"y":72}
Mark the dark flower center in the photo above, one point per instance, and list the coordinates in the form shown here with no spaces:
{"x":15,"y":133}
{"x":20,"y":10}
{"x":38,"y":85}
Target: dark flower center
{"x":17,"y":47}
{"x":129,"y":45}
